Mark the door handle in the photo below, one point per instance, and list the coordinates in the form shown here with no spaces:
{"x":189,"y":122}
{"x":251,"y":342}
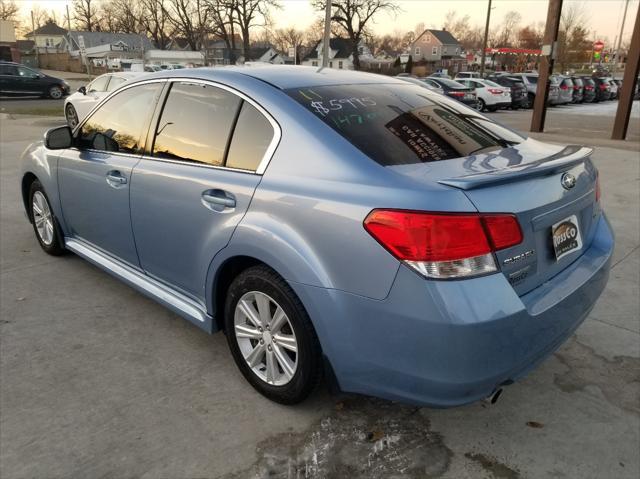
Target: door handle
{"x":116,"y":179}
{"x":218,"y":199}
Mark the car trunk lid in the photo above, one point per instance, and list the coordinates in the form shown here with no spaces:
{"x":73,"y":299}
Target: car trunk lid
{"x":527,"y":180}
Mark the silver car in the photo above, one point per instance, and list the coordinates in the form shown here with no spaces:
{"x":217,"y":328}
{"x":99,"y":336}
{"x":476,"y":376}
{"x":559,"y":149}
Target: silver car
{"x":530,"y":80}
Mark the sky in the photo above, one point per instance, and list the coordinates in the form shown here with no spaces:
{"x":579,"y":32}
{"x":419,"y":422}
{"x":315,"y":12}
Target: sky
{"x":604,"y":15}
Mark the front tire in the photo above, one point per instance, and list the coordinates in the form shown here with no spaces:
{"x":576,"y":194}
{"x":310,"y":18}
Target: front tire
{"x":71,"y":115}
{"x":44,"y":222}
{"x":55,"y":92}
{"x":271,"y":336}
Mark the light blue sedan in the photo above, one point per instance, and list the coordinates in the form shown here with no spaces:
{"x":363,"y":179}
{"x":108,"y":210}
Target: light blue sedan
{"x":331,"y":223}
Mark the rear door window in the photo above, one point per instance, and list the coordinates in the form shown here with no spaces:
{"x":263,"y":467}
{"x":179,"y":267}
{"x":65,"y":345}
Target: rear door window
{"x":403,"y":124}
{"x":195,"y":124}
{"x":251,"y":139}
{"x":10,"y":70}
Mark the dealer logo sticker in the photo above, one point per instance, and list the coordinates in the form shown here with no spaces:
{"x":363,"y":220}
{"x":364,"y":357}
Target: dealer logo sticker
{"x":566,"y":236}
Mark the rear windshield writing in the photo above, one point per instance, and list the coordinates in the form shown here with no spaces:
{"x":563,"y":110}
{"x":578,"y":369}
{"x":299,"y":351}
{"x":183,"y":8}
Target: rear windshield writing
{"x":403,"y":124}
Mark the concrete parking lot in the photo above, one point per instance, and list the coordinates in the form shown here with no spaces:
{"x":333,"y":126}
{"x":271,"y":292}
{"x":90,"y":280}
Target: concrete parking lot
{"x":98,"y":381}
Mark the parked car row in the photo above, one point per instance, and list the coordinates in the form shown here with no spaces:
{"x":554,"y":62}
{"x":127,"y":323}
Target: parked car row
{"x":518,"y":90}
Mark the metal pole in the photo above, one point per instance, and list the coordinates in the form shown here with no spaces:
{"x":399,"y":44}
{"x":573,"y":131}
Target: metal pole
{"x":549,"y":44}
{"x":632,"y":68}
{"x":624,"y":16}
{"x":486,"y":40}
{"x":35,"y":39}
{"x":327,"y":36}
{"x":68,"y":19}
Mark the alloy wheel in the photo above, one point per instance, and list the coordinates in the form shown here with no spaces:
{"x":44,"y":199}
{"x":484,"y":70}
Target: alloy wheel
{"x":42,"y":218}
{"x":266,"y":338}
{"x":55,"y":92}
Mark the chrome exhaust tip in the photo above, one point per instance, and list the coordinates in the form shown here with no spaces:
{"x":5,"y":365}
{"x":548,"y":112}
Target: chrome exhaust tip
{"x":493,"y":397}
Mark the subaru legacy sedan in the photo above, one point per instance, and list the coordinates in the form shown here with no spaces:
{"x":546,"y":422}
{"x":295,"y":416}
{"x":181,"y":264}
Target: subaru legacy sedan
{"x":333,"y":224}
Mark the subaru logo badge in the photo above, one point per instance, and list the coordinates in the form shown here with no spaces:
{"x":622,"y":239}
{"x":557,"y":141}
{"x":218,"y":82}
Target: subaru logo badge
{"x":568,"y":181}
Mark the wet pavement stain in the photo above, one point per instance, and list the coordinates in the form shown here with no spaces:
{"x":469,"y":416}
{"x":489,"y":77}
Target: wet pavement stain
{"x":362,"y":438}
{"x":497,"y":469}
{"x":618,"y":379}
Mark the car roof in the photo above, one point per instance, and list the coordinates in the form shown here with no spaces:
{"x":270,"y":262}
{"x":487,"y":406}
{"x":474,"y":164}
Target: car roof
{"x":128,"y":74}
{"x":281,"y":76}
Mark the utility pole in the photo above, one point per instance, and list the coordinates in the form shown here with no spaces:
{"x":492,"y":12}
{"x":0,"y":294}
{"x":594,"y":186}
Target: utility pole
{"x":632,"y":68}
{"x":35,"y":39}
{"x":327,"y":36}
{"x":624,"y":16}
{"x":549,"y":46}
{"x":486,"y":40}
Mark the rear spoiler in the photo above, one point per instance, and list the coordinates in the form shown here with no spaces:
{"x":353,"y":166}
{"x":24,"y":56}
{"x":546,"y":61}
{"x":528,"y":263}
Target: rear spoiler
{"x":563,"y":160}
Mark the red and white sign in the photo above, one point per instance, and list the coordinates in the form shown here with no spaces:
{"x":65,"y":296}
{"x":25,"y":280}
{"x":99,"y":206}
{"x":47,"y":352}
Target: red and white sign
{"x":598,"y":46}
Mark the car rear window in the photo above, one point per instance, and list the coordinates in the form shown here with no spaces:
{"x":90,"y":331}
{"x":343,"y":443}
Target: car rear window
{"x":532,"y":79}
{"x":578,"y":82}
{"x":403,"y":124}
{"x":449,"y":83}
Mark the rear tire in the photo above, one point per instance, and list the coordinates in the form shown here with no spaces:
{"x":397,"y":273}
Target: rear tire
{"x":291,"y":380}
{"x":480,"y":105}
{"x":44,"y":222}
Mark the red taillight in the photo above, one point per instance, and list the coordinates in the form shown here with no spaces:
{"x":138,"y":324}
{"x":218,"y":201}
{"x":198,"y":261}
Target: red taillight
{"x":444,"y":245}
{"x":576,"y":87}
{"x":589,"y":87}
{"x":494,"y":91}
{"x":603,"y":86}
{"x":504,"y":231}
{"x":456,"y":93}
{"x":564,"y":87}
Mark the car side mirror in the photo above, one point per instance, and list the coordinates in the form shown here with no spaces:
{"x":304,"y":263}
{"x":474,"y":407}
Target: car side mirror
{"x":83,"y":90}
{"x":58,"y":138}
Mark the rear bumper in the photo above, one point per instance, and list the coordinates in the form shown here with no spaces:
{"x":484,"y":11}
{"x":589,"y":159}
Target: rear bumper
{"x":447,"y":343}
{"x":501,"y":104}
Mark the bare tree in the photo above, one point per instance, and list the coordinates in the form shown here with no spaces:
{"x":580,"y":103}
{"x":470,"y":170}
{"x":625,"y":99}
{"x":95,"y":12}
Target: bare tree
{"x":189,"y":19}
{"x":123,"y":16}
{"x":285,"y":38}
{"x":9,"y":10}
{"x":250,"y":14}
{"x":508,"y":29}
{"x":85,"y":15}
{"x":222,"y":23}
{"x":530,"y":37}
{"x":154,"y":20}
{"x":573,"y":19}
{"x":354,"y":18}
